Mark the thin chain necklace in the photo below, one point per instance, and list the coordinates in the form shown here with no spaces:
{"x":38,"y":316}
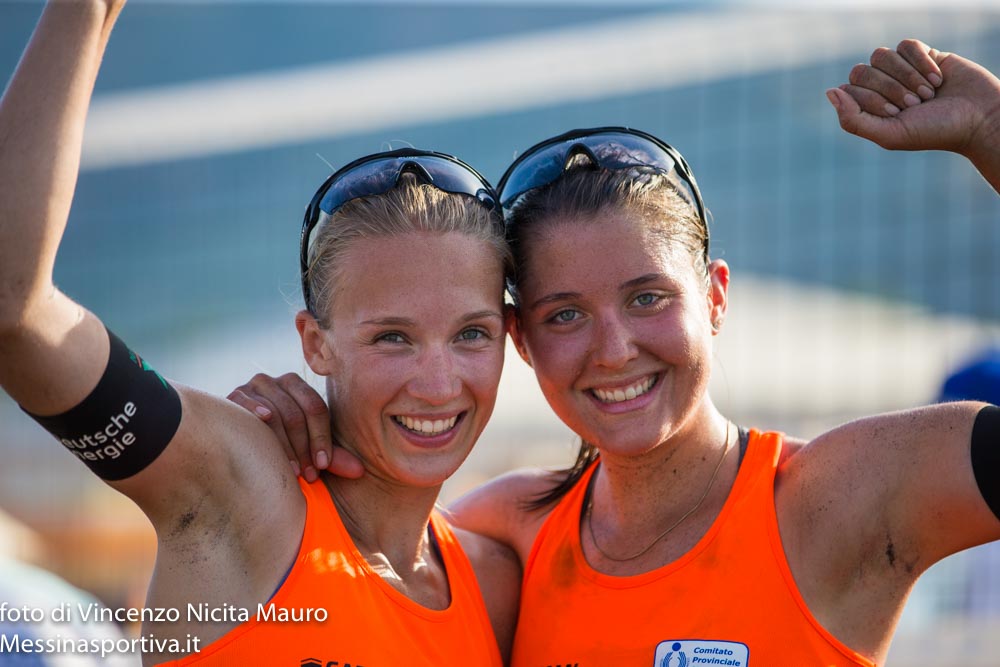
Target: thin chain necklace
{"x":711,"y":482}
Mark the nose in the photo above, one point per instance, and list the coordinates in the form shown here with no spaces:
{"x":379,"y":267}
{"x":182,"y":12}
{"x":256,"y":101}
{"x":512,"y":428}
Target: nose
{"x":613,"y":343}
{"x":436,"y":380}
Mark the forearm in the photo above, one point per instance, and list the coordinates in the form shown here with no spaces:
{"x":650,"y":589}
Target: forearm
{"x":51,"y":350}
{"x":42,"y":116}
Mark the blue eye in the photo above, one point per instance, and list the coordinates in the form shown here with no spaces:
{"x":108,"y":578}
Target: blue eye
{"x":566,"y":316}
{"x":473,"y":335}
{"x":646,"y":299}
{"x":390,"y":337}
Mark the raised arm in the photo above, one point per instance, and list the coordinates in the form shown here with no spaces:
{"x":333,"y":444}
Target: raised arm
{"x":52,"y":350}
{"x":919,"y":98}
{"x":119,"y":416}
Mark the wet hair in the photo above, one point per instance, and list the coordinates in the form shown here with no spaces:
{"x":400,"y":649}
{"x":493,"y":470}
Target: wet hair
{"x":584,"y":192}
{"x":409,"y":207}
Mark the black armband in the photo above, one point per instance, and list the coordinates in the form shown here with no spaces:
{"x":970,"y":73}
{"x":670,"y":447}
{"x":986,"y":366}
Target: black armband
{"x":985,"y":451}
{"x":125,"y":422}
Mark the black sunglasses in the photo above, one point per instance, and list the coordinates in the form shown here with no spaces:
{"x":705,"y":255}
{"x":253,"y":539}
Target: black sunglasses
{"x":379,"y":173}
{"x":611,"y":148}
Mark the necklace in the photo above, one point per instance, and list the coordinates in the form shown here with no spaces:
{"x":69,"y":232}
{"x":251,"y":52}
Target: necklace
{"x":711,"y":482}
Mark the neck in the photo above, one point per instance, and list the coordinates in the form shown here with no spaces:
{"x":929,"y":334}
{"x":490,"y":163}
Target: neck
{"x":634,"y":499}
{"x":387,"y":521}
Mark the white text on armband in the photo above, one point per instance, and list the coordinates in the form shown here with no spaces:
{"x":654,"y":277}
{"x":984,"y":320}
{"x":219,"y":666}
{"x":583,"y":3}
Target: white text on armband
{"x":109,"y":442}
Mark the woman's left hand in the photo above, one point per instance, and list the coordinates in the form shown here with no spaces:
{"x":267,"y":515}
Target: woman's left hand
{"x":919,"y":98}
{"x":299,"y":417}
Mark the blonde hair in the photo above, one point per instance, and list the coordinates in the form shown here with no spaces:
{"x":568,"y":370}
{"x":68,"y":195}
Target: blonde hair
{"x":409,"y":207}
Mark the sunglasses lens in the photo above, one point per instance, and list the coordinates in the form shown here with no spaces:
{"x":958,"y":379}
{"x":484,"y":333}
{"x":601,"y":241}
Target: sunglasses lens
{"x":366,"y":179}
{"x":613,"y":150}
{"x":533,"y":170}
{"x":377,"y":175}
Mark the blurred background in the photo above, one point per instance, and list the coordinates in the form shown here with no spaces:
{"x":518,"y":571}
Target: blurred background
{"x":862,"y":279}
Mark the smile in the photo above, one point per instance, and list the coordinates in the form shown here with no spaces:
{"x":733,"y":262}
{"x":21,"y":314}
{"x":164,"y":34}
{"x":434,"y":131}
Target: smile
{"x":427,"y":427}
{"x":619,"y":395}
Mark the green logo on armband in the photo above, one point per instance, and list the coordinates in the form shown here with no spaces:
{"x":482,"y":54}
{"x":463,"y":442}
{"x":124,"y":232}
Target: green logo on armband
{"x":146,"y":367}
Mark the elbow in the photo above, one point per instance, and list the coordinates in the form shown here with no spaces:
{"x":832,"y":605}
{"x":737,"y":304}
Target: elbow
{"x":16,"y":300}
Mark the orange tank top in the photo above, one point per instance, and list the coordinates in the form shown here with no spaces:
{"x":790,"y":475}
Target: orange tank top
{"x":368,"y":622}
{"x":730,"y":600}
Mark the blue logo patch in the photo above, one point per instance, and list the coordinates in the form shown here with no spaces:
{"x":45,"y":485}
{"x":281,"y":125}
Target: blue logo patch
{"x":700,"y":653}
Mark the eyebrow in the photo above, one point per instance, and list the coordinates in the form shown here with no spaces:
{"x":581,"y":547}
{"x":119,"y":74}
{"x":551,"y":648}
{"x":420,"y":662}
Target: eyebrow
{"x":641,"y":280}
{"x":553,"y":298}
{"x":407,"y":322}
{"x":478,"y":315}
{"x":569,"y":296}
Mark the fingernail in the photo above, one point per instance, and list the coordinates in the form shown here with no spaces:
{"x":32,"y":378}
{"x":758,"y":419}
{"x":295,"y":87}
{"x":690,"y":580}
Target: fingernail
{"x":311,"y":475}
{"x":834,"y":100}
{"x":322,"y":460}
{"x":295,"y":467}
{"x":911,"y":100}
{"x":891,"y":109}
{"x":925,"y":92}
{"x":262,"y":411}
{"x":935,"y":79}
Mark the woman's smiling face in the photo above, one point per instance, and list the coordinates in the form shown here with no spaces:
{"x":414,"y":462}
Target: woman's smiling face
{"x":414,"y":351}
{"x":617,"y":324}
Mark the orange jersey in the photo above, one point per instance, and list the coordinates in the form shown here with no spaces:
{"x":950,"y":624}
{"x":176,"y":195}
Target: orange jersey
{"x":368,"y":622}
{"x":730,"y":600}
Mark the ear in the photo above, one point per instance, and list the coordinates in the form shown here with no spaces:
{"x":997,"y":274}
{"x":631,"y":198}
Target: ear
{"x":514,"y":329}
{"x":718,"y":293}
{"x":315,"y":346}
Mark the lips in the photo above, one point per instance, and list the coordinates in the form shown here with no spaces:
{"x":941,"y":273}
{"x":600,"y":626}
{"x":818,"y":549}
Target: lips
{"x":427,"y":427}
{"x":613,"y":395}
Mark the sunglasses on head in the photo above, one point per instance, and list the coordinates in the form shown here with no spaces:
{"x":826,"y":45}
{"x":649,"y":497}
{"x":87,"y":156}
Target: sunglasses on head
{"x":379,"y":173}
{"x":611,"y":148}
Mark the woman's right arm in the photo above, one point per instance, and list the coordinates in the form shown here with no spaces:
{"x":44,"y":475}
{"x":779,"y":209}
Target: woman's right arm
{"x":53,"y":352}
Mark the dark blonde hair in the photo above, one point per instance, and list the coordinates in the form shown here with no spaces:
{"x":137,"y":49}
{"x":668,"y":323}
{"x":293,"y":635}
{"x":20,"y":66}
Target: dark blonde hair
{"x":584,"y":190}
{"x":409,"y":207}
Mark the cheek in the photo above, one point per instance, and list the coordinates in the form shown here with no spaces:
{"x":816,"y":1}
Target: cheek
{"x":555,"y":357}
{"x":367,"y":379}
{"x":481,"y":373}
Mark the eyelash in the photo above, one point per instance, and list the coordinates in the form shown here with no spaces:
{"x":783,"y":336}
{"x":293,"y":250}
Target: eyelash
{"x":656,"y":298}
{"x":384,"y":338}
{"x":388,"y":336}
{"x":556,"y":317}
{"x":483,"y":335}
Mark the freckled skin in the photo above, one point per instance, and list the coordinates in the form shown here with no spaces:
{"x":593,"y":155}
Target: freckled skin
{"x":615,"y":335}
{"x":402,"y":343}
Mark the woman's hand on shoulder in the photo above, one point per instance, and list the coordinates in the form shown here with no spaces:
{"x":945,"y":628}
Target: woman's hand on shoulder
{"x":918,"y":98}
{"x":300,"y":419}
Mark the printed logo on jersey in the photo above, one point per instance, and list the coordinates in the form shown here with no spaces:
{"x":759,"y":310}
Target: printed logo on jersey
{"x":316,"y":662}
{"x":698,"y":652}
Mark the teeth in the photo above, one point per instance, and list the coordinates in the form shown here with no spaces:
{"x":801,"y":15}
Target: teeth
{"x":425,"y":426}
{"x":627,"y":394}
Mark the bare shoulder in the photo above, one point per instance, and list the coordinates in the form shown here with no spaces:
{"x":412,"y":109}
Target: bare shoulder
{"x":232,"y":514}
{"x":498,"y":573}
{"x":791,"y":446}
{"x":500,"y":509}
{"x":221,"y":460}
{"x":866,"y":507}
